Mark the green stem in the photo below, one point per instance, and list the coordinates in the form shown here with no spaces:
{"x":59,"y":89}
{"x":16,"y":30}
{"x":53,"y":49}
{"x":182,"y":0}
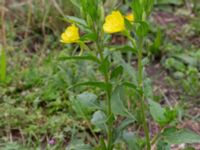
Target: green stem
{"x":108,"y":93}
{"x":140,"y":84}
{"x":109,"y":115}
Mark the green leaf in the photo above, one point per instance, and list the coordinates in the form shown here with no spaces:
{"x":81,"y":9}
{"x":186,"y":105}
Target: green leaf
{"x":118,"y":132}
{"x":81,"y":110}
{"x":172,"y":63}
{"x":157,"y":112}
{"x":141,"y":9}
{"x":102,"y":144}
{"x":127,"y":68}
{"x":148,"y":90}
{"x":148,"y":6}
{"x":118,"y":107}
{"x":125,"y":123}
{"x":130,"y":85}
{"x":88,"y":57}
{"x":162,"y":116}
{"x":76,"y":20}
{"x":176,"y":136}
{"x":137,"y":9}
{"x":84,"y":104}
{"x":170,"y":115}
{"x":158,"y":39}
{"x":129,"y":25}
{"x":89,"y":37}
{"x":162,"y":145}
{"x":101,"y":85}
{"x":142,"y":29}
{"x":116,"y":72}
{"x":155,"y":47}
{"x":175,"y":2}
{"x":192,"y":61}
{"x":122,"y":48}
{"x":90,"y":8}
{"x":104,"y":66}
{"x":2,"y":64}
{"x":132,"y":140}
{"x":99,"y":119}
{"x":133,"y":87}
{"x":12,"y":146}
{"x":88,"y":100}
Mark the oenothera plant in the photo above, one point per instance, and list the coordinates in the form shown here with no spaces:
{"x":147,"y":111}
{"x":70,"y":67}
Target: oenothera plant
{"x":112,"y":114}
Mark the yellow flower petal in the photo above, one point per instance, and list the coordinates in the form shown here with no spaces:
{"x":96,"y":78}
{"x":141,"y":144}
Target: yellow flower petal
{"x":114,"y":23}
{"x":130,"y":17}
{"x":71,"y":34}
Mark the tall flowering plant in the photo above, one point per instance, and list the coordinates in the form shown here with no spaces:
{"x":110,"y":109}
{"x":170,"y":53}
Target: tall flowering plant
{"x":96,"y":29}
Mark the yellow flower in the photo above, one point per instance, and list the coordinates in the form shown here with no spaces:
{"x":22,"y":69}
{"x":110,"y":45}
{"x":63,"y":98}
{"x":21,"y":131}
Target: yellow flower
{"x":114,"y":23}
{"x":71,"y":34}
{"x":130,"y":17}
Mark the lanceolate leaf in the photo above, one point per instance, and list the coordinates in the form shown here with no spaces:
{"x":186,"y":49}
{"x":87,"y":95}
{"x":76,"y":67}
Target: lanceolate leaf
{"x":101,"y":85}
{"x":157,"y":112}
{"x":88,"y":57}
{"x":148,"y":6}
{"x":179,"y":136}
{"x":130,"y":85}
{"x":102,"y":144}
{"x":138,"y":9}
{"x":104,"y":67}
{"x":125,"y":123}
{"x":122,"y":48}
{"x":117,"y":104}
{"x":116,"y":72}
{"x":118,"y":107}
{"x":127,"y":68}
{"x":175,"y":2}
{"x":142,"y":29}
{"x":77,"y":20}
{"x":90,"y":7}
{"x":89,"y":37}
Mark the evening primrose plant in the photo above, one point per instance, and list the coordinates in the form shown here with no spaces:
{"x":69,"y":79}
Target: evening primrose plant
{"x":111,"y":113}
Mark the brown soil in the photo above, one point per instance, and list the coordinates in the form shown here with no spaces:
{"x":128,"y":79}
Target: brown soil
{"x":175,"y":27}
{"x":170,"y":97}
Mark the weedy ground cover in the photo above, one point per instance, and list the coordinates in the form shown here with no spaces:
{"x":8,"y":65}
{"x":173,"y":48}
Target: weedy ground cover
{"x":96,"y":85}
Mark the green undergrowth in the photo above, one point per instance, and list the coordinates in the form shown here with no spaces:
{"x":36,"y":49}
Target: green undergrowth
{"x":37,"y":98}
